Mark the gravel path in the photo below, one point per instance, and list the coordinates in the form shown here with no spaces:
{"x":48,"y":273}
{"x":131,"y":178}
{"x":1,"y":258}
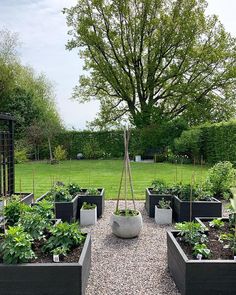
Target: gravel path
{"x":129,"y":267}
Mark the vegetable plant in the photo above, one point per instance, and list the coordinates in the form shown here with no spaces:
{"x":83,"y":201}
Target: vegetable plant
{"x":45,"y":209}
{"x":163,"y":204}
{"x":217,"y":223}
{"x":61,"y":194}
{"x":64,"y":235}
{"x":202,"y":250}
{"x":191,"y":232}
{"x":160,"y":187}
{"x":16,"y":246}
{"x":13,"y":210}
{"x":92,"y":192}
{"x":73,"y":189}
{"x":60,"y":251}
{"x":88,"y":206}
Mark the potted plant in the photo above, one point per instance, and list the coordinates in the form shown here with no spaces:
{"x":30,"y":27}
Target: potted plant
{"x":126,"y":223}
{"x":65,"y":201}
{"x":92,"y":196}
{"x":88,"y":214}
{"x":29,"y":247}
{"x":163,"y":212}
{"x":158,"y":191}
{"x":190,"y":202}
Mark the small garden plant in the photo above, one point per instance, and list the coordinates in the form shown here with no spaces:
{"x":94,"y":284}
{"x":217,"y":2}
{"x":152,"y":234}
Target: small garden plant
{"x":163,"y":204}
{"x":88,"y":206}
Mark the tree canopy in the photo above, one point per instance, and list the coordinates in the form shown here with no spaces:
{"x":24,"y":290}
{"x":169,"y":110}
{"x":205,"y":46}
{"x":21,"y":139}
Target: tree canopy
{"x":149,"y":60}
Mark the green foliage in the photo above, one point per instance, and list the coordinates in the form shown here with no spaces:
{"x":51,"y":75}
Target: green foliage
{"x":64,"y":235}
{"x":13,"y":210}
{"x":87,"y":206}
{"x":34,"y":224}
{"x":217,"y":223}
{"x":16,"y":246}
{"x":189,"y":143}
{"x":45,"y":209}
{"x":127,"y":212}
{"x":60,"y":153}
{"x":91,"y":150}
{"x":160,"y":187}
{"x":61,"y":194}
{"x":202,"y":250}
{"x":60,"y":251}
{"x":73,"y":188}
{"x":92,"y":192}
{"x":21,"y":156}
{"x":191,"y":232}
{"x":220,"y":178}
{"x":163,"y":204}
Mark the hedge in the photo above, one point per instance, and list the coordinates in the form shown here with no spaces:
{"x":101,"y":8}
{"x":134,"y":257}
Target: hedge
{"x":216,"y":142}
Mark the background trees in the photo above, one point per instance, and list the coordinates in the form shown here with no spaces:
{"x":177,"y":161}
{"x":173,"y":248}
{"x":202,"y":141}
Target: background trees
{"x":150,"y":60}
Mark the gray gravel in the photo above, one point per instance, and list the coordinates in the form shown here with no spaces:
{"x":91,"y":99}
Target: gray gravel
{"x":129,"y":267}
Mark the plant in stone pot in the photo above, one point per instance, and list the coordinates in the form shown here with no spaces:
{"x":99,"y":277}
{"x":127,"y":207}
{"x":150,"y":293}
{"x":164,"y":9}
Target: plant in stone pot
{"x":88,"y":214}
{"x":126,"y":222}
{"x":163,"y":212}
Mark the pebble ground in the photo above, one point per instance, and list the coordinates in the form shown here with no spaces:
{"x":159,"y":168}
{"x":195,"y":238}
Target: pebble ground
{"x":129,"y":267}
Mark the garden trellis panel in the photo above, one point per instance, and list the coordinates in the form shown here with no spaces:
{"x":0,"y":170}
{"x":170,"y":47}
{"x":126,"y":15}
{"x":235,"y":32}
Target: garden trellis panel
{"x":7,"y":173}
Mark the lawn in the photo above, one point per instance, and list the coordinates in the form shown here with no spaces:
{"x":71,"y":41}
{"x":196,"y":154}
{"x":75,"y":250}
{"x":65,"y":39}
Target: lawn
{"x":39,"y":176}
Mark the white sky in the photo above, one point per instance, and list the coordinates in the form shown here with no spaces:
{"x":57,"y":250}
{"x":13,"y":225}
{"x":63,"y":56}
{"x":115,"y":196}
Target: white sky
{"x":43,"y":33}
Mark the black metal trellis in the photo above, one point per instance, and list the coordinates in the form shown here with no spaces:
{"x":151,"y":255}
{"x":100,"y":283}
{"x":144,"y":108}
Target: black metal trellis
{"x":7,"y":172}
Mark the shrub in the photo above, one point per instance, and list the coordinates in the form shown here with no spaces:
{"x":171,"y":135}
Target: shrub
{"x":64,"y":235}
{"x":60,"y":153}
{"x":21,"y":156}
{"x":91,"y":150}
{"x":16,"y":246}
{"x":13,"y":210}
{"x":220,"y":178}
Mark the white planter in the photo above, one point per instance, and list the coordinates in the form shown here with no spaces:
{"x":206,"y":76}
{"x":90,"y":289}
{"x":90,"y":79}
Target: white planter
{"x":138,"y":158}
{"x":163,"y":216}
{"x":88,"y":217}
{"x":126,"y":227}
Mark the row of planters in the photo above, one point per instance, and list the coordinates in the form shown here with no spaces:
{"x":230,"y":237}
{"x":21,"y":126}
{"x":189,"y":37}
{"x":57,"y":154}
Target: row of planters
{"x":191,"y":201}
{"x":73,"y":203}
{"x":202,"y":255}
{"x":40,"y":254}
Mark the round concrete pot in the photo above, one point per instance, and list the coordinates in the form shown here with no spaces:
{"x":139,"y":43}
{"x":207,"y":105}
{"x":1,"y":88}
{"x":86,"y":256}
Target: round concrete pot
{"x":126,"y":227}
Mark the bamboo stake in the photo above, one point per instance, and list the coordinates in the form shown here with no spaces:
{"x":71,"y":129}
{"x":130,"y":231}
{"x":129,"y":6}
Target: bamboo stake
{"x":191,"y":197}
{"x":33,"y":174}
{"x":125,"y":140}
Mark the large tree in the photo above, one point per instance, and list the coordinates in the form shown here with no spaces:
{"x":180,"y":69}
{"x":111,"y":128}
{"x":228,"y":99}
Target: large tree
{"x":153,"y":59}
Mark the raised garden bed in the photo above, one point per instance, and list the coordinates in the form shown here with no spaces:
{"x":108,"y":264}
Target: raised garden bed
{"x":98,"y":200}
{"x":27,"y":198}
{"x":152,"y":199}
{"x":181,"y":209}
{"x":66,"y":211}
{"x":47,"y":278}
{"x":215,"y":275}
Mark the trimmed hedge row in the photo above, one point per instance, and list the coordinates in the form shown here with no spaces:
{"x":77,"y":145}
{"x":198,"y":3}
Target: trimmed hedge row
{"x":214,"y":142}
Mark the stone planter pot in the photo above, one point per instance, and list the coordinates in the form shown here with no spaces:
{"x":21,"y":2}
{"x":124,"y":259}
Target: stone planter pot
{"x":66,"y":211}
{"x":181,"y":209}
{"x":152,"y":199}
{"x":194,"y":277}
{"x":47,"y":278}
{"x":126,"y":227}
{"x":163,"y":216}
{"x":98,"y":200}
{"x":88,"y":216}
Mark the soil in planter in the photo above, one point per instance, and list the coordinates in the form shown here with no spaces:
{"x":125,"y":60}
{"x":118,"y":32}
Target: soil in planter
{"x":217,"y":248}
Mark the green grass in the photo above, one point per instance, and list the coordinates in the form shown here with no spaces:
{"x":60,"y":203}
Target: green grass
{"x":100,"y":173}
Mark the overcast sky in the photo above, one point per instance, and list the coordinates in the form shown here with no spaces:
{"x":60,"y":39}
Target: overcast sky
{"x":43,"y":33}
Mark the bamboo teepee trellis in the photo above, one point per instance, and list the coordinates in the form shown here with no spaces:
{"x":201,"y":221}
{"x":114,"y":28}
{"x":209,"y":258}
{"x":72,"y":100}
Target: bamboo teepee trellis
{"x":126,"y":175}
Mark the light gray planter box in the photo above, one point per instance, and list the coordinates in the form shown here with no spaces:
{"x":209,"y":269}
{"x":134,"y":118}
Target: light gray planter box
{"x":138,"y":158}
{"x":163,"y":216}
{"x":88,"y":216}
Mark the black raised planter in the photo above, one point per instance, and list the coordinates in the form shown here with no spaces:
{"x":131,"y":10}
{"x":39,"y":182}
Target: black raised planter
{"x":181,"y":209}
{"x":66,"y":211}
{"x":194,"y":277}
{"x":99,"y":200}
{"x":27,"y":198}
{"x":47,"y":278}
{"x":152,"y":199}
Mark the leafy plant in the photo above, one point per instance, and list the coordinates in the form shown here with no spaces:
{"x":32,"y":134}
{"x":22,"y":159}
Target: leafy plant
{"x":45,"y":209}
{"x":64,"y":235}
{"x":185,"y":192}
{"x":61,"y":194}
{"x":163,"y":204}
{"x":92,"y":192}
{"x":220,"y":178}
{"x":21,"y":156}
{"x":73,"y":189}
{"x":160,"y":187}
{"x":87,"y":206}
{"x":217,"y":223}
{"x":60,"y":153}
{"x":202,"y":250}
{"x":13,"y":210}
{"x":60,"y":251}
{"x":191,"y":232}
{"x":16,"y":246}
{"x":33,"y":224}
{"x":128,"y":212}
